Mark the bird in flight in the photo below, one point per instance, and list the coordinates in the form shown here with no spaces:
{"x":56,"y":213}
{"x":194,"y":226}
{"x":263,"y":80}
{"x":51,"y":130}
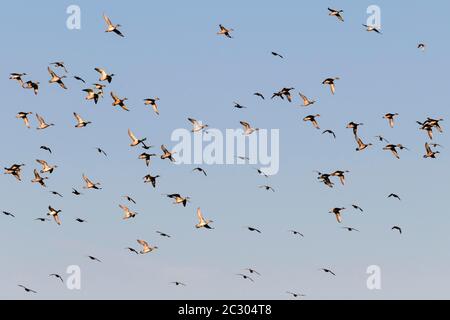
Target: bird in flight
{"x":46,"y":149}
{"x":24,"y":117}
{"x":46,"y":168}
{"x":248,"y":130}
{"x":237,"y":105}
{"x":330,"y":82}
{"x":152,"y":102}
{"x":294,"y":232}
{"x":421,"y":46}
{"x":104,"y":76}
{"x":178,"y":198}
{"x":337,"y":213}
{"x":327,"y":271}
{"x":91,"y":95}
{"x":131,"y":250}
{"x":42,"y":124}
{"x":32,"y":85}
{"x":285,"y":92}
{"x":28,"y":290}
{"x":75,"y":192}
{"x":354,"y":126}
{"x":167,"y":154}
{"x":306,"y":101}
{"x":119,"y":102}
{"x":41,"y":219}
{"x":295,"y":295}
{"x":90,"y":184}
{"x":430,"y":153}
{"x":390,"y":117}
{"x":55,"y":214}
{"x":200,"y":170}
{"x":146,"y":248}
{"x":336,"y":13}
{"x":252,"y":229}
{"x":362,"y":145}
{"x":330,"y":132}
{"x":202,"y":222}
{"x":268,"y":188}
{"x":79,"y":79}
{"x":56,"y":79}
{"x":245,"y":277}
{"x":340,"y":174}
{"x":6,"y":213}
{"x":253,"y":271}
{"x":15,"y":170}
{"x":135,"y":141}
{"x":57,"y":276}
{"x":94,"y":258}
{"x":356,"y":207}
{"x":17,"y":77}
{"x":196,"y":125}
{"x":177,"y":283}
{"x":312,"y":119}
{"x":56,"y":194}
{"x":350,"y":229}
{"x":162,"y":234}
{"x":393,"y":195}
{"x":80,"y":220}
{"x":101,"y":151}
{"x":111,"y":27}
{"x":224,"y":31}
{"x":151,"y":179}
{"x":372,"y":28}
{"x":277,"y":54}
{"x":80,"y":122}
{"x":397,"y":228}
{"x":259,"y":95}
{"x":39,"y":179}
{"x":127,"y":212}
{"x":130,"y":199}
{"x":381,"y":139}
{"x":393,"y":149}
{"x":145,"y":156}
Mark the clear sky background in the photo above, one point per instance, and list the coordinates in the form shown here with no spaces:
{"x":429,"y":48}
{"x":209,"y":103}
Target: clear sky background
{"x":171,"y":50}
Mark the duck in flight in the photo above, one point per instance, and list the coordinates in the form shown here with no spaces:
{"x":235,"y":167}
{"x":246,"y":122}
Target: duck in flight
{"x":253,"y":229}
{"x":258,"y":94}
{"x":55,"y":214}
{"x":397,"y":228}
{"x":39,"y":179}
{"x":306,"y":101}
{"x":146,"y":248}
{"x":245,"y":277}
{"x":337,"y":213}
{"x":90,"y":184}
{"x":127,"y":212}
{"x":135,"y":141}
{"x":336,"y":13}
{"x":32,"y":85}
{"x":56,"y":79}
{"x":197,"y":125}
{"x":151,"y":179}
{"x":57,"y":276}
{"x":167,"y":154}
{"x":312,"y":119}
{"x":202,"y":222}
{"x":372,"y":29}
{"x":112,"y":27}
{"x":152,"y":102}
{"x":28,"y":290}
{"x":80,"y":122}
{"x":9,"y":214}
{"x":248,"y":130}
{"x":146,"y":157}
{"x":390,"y":117}
{"x":91,"y":95}
{"x":178,"y":198}
{"x":327,"y":271}
{"x":104,"y":76}
{"x":24,"y":117}
{"x":362,"y":145}
{"x":46,"y":168}
{"x":225,"y":31}
{"x":119,"y":102}
{"x":393,"y":195}
{"x":330,"y":82}
{"x":200,"y":170}
{"x":59,"y":64}
{"x":277,"y":54}
{"x":430,"y":153}
{"x":356,"y":207}
{"x":42,"y":124}
{"x":17,"y":77}
{"x":15,"y":170}
{"x":267,"y":188}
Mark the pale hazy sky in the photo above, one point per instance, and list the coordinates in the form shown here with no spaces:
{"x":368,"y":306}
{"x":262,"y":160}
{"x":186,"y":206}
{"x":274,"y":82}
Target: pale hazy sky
{"x":171,"y":50}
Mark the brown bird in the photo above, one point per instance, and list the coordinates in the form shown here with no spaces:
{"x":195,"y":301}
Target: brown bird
{"x":312,"y":119}
{"x":390,"y":117}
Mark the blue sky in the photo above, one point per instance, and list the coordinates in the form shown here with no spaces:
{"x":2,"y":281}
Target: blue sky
{"x":171,"y":50}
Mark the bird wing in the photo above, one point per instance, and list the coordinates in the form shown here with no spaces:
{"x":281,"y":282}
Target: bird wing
{"x":42,"y":162}
{"x":427,"y":147}
{"x":163,"y":148}
{"x":77,"y":116}
{"x":131,"y":135}
{"x":108,"y":22}
{"x":193,"y":121}
{"x":36,"y":174}
{"x":200,"y":216}
{"x":113,"y":95}
{"x":143,"y":243}
{"x":51,"y":72}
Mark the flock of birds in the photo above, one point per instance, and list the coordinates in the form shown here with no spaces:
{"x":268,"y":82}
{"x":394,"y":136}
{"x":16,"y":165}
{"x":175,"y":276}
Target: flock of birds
{"x":96,"y":92}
